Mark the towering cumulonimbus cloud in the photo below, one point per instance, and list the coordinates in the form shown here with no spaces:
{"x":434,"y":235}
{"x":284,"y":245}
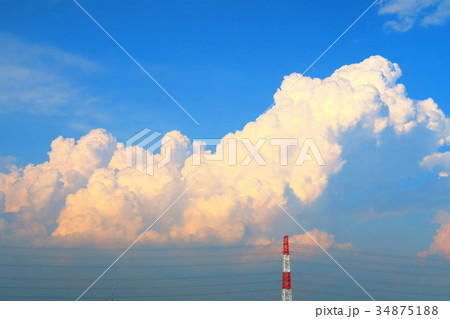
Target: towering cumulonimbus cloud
{"x":85,"y":193}
{"x":34,"y":195}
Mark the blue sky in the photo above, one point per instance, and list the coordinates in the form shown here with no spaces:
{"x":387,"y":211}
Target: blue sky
{"x":224,"y":61}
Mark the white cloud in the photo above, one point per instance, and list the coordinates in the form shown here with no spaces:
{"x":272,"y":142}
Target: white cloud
{"x":441,"y":241}
{"x":409,"y":12}
{"x":86,"y":194}
{"x":37,"y":193}
{"x":306,"y":244}
{"x":33,"y":80}
{"x":440,"y":160}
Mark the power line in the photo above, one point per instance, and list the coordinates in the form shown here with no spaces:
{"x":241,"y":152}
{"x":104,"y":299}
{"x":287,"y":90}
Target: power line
{"x":148,"y":287}
{"x":384,"y":271}
{"x":374,"y":289}
{"x":379,"y":282}
{"x":141,"y":248}
{"x":307,"y":258}
{"x":273,"y":273}
{"x":144,"y":278}
{"x":323,"y":264}
{"x":359,"y":252}
{"x":376,"y":262}
{"x":218,"y":247}
{"x":50,"y":257}
{"x":154,"y":296}
{"x":144,"y":266}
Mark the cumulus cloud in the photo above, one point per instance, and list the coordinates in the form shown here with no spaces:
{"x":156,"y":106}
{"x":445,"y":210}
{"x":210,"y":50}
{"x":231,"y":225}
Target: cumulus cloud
{"x":85,"y":193}
{"x":425,"y":12}
{"x":439,"y":160}
{"x":305,"y":244}
{"x":118,"y":202}
{"x":441,"y":241}
{"x":37,"y":193}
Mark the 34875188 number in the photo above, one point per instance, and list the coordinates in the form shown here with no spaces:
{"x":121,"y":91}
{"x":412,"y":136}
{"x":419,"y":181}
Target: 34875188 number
{"x":407,"y":310}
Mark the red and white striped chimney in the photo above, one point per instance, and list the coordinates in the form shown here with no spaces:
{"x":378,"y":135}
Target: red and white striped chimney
{"x":286,"y":291}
